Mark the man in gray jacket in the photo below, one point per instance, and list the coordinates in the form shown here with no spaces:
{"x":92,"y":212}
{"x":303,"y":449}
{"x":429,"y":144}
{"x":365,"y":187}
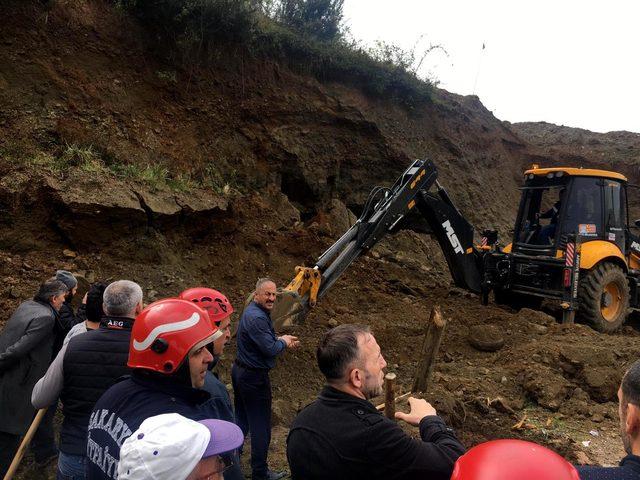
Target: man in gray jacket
{"x":25,"y":353}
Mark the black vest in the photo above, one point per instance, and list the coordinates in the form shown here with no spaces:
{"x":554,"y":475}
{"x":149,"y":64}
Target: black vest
{"x":92,"y":363}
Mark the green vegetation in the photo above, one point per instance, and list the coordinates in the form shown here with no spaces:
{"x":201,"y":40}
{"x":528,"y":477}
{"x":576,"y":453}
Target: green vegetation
{"x":155,"y":176}
{"x":306,"y":35}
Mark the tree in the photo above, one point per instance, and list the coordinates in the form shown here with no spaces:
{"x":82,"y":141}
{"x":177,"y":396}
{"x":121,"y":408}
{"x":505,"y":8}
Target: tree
{"x":320,"y":19}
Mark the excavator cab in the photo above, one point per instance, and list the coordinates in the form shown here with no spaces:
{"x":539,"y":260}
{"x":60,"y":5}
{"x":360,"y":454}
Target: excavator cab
{"x":572,"y":215}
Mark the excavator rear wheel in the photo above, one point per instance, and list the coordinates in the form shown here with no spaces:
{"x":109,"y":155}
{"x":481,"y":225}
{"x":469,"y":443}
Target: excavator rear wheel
{"x":604,"y":297}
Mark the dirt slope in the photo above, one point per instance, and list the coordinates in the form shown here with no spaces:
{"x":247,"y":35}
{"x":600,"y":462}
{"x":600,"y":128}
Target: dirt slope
{"x":261,"y":165}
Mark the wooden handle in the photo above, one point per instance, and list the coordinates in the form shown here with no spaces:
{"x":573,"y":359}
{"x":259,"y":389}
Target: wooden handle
{"x":390,"y":394}
{"x":25,"y":443}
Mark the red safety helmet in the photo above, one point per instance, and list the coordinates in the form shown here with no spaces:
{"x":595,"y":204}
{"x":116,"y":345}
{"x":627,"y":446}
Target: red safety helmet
{"x":166,"y":331}
{"x":512,"y":460}
{"x":215,"y":303}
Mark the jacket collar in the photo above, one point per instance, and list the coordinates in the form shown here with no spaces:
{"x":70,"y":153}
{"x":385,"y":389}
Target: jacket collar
{"x":632,"y":462}
{"x":267,"y":312}
{"x":168,"y":385}
{"x":116,"y":323}
{"x":47,"y":304}
{"x":330,"y":394}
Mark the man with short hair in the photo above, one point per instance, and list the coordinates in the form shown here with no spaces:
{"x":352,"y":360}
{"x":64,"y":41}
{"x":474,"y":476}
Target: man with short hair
{"x":172,"y":447}
{"x":91,"y":311}
{"x":258,"y":347}
{"x":342,"y":436}
{"x":629,"y":413}
{"x":169,"y":356}
{"x":85,"y":368}
{"x":26,"y":344}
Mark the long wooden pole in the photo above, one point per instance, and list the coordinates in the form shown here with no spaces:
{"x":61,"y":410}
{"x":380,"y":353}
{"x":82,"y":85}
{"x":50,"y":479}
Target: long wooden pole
{"x":25,"y":443}
{"x":430,"y":347}
{"x":390,"y":395}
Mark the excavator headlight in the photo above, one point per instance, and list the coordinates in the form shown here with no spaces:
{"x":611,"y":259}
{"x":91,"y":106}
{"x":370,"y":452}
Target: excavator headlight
{"x":550,"y":175}
{"x":559,"y":174}
{"x":531,"y":175}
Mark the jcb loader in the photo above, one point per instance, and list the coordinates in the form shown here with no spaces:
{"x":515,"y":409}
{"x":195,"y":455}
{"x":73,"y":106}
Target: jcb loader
{"x":571,"y":243}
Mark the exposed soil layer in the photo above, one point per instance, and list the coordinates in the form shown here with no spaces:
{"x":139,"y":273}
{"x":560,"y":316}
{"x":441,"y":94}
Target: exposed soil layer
{"x":284,"y":157}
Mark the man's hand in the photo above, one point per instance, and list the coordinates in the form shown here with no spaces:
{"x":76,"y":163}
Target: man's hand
{"x":419,"y":409}
{"x":290,"y":340}
{"x":84,"y":299}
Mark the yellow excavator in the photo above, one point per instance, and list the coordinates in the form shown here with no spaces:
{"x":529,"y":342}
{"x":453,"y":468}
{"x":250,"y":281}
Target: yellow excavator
{"x":571,"y":243}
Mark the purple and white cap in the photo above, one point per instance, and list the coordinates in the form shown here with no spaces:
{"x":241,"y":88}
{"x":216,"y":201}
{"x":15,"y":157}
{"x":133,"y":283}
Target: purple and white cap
{"x":169,"y":446}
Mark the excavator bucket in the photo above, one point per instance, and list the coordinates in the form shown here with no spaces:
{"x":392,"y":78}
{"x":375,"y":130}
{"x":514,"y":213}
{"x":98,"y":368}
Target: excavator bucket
{"x":288,"y":310}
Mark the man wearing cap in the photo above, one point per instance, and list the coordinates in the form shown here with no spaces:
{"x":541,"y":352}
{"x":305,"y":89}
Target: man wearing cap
{"x":169,"y":357}
{"x":258,"y":347}
{"x":67,"y":316}
{"x":172,"y":447}
{"x":25,"y":352}
{"x":85,"y":368}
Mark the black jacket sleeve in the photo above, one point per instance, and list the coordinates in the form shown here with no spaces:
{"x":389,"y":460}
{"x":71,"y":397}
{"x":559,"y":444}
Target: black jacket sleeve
{"x":67,"y":317}
{"x":432,"y":457}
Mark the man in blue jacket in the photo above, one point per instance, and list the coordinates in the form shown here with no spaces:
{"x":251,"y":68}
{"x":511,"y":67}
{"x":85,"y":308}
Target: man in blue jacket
{"x":629,"y":412}
{"x":258,"y":347}
{"x":219,"y":405}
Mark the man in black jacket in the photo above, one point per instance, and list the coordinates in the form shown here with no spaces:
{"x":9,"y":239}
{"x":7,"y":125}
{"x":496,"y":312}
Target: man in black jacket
{"x":342,"y":436}
{"x":629,"y":412}
{"x":25,"y":353}
{"x":85,"y":368}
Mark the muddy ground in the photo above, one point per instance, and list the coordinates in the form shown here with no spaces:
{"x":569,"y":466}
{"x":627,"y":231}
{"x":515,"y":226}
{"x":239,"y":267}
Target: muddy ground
{"x":549,"y":383}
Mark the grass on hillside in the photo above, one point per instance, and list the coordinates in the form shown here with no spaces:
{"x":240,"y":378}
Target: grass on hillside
{"x":156,"y":176}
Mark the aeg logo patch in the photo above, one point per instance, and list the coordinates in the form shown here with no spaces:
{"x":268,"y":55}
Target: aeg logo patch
{"x":453,"y":238}
{"x":118,"y":324}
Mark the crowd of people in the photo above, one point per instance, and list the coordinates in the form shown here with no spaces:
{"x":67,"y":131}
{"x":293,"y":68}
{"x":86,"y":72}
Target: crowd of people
{"x":140,"y":401}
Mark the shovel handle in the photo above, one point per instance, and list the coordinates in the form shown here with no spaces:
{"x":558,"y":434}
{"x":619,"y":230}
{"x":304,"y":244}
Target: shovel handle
{"x":25,"y":443}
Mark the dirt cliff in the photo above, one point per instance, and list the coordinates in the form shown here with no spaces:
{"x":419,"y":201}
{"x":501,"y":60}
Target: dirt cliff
{"x":115,"y":163}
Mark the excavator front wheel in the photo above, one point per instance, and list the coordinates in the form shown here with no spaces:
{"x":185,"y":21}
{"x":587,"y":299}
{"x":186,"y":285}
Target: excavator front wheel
{"x":604,"y":297}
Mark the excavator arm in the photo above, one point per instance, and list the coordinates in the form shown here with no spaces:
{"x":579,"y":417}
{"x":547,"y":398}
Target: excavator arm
{"x":385,"y":210}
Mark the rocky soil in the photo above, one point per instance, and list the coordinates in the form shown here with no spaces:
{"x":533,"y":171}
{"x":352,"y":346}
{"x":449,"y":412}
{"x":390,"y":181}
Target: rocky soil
{"x":277,"y":164}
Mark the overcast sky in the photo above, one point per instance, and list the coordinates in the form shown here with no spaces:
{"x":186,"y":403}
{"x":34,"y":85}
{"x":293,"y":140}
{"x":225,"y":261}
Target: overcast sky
{"x":574,"y":63}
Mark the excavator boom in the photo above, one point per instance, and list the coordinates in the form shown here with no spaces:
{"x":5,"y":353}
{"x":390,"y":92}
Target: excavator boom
{"x":384,"y":212}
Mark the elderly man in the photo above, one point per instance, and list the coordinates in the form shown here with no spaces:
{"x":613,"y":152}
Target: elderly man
{"x":172,"y":447}
{"x":25,"y":353}
{"x":629,"y":412}
{"x":342,"y":436}
{"x":258,"y":347}
{"x":169,"y":354}
{"x":85,"y":368}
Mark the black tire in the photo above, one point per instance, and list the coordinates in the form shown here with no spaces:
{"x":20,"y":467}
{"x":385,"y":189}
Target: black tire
{"x":604,"y":297}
